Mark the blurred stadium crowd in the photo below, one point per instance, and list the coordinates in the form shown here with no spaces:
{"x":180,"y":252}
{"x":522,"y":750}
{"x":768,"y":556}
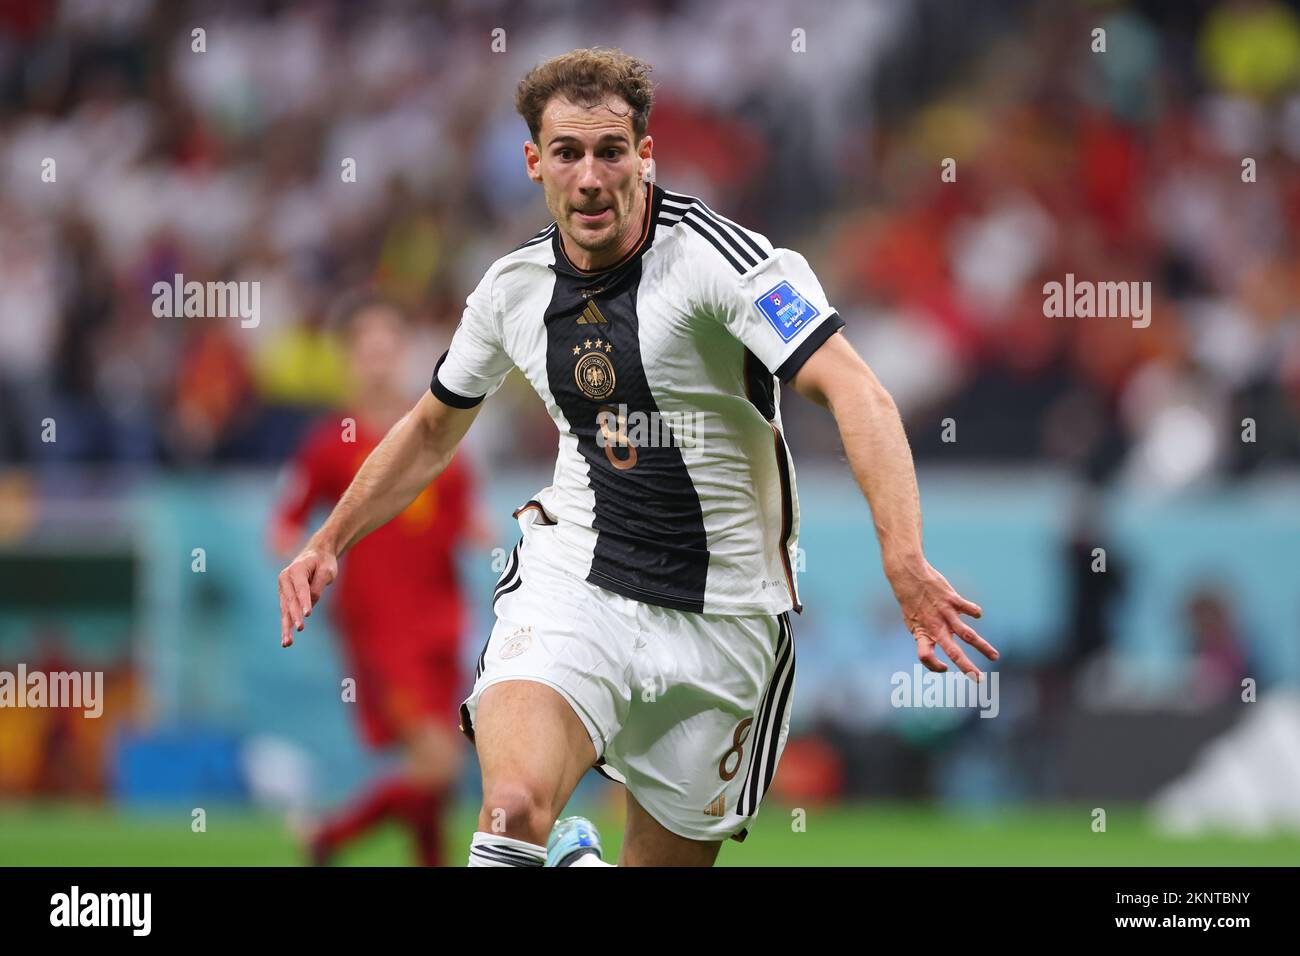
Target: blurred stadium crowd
{"x":1173,"y":157}
{"x":226,"y":165}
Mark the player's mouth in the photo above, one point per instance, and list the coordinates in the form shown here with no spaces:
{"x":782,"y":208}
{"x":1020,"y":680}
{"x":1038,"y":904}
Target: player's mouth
{"x":593,"y":217}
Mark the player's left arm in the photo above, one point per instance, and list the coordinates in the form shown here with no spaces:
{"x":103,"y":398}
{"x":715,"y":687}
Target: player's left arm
{"x":835,"y":377}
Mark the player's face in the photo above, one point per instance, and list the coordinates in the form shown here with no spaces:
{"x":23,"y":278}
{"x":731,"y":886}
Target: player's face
{"x":375,"y":348}
{"x":591,"y":171}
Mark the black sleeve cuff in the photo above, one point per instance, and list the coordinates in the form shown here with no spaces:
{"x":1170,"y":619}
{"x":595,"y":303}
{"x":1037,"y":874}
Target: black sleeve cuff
{"x":445,"y":395}
{"x":830,"y":325}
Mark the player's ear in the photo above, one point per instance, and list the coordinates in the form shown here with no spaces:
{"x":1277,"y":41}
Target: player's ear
{"x":645,"y":149}
{"x":532,"y":161}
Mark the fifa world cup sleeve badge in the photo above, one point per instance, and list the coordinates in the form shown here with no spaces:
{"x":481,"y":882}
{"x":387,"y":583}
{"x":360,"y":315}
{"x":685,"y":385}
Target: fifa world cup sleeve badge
{"x":786,"y":310}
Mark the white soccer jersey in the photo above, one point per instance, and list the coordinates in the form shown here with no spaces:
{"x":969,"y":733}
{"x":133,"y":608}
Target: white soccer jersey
{"x":673,"y":485}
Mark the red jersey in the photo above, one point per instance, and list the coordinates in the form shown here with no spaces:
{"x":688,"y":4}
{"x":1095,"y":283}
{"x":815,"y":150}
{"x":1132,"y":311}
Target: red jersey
{"x":398,"y":585}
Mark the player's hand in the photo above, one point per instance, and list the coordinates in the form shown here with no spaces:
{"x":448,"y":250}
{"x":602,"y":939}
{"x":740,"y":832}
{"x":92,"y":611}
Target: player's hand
{"x":301,"y":585}
{"x":932,"y":611}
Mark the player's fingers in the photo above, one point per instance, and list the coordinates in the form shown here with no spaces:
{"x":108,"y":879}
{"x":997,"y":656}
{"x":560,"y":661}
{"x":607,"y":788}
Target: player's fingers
{"x":290,"y":601}
{"x":967,"y":607}
{"x":958,"y":657}
{"x":303,"y":594}
{"x":971,"y":637}
{"x":925,"y":654}
{"x":286,"y":630}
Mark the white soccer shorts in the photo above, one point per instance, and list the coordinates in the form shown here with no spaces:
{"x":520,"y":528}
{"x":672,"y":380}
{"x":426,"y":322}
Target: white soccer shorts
{"x":690,"y":711}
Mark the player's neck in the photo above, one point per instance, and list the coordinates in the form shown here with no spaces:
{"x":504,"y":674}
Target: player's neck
{"x":592,"y":262}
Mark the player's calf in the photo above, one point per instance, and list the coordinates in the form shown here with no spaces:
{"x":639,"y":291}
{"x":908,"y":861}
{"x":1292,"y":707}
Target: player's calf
{"x":647,"y":842}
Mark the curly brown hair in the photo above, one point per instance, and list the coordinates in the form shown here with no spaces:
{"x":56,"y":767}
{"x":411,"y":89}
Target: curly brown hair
{"x":586,"y":78}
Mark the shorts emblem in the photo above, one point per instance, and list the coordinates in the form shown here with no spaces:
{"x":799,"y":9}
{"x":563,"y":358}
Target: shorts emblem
{"x":517,"y":643}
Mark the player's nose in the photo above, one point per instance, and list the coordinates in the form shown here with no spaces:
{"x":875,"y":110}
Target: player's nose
{"x":589,"y":180}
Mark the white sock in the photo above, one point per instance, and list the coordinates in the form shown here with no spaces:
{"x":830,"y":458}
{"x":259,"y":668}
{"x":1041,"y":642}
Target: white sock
{"x":489,"y":849}
{"x":589,"y":859}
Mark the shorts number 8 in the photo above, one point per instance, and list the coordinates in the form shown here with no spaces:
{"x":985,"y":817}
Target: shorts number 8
{"x":737,"y":748}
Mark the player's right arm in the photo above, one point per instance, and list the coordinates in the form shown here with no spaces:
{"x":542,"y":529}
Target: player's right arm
{"x":413,"y":453}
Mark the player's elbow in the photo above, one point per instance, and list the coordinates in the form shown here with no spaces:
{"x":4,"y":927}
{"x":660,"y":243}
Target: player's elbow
{"x":429,"y":420}
{"x":860,"y":395}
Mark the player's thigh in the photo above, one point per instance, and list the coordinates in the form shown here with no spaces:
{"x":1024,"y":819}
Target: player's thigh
{"x":532,"y":749}
{"x":647,"y":843}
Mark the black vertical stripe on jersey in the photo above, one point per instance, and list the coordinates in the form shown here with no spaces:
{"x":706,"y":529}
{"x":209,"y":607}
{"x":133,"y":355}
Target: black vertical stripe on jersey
{"x":650,"y":545}
{"x":787,"y":514}
{"x":760,"y":386}
{"x":760,"y":389}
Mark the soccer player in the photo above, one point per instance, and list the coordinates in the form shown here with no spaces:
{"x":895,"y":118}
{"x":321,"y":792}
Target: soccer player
{"x":399,"y":612}
{"x":642,"y":621}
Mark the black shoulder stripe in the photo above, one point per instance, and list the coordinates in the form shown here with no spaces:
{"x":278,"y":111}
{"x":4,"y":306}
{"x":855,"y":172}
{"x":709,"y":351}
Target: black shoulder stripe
{"x":733,"y":235}
{"x":698,"y":215}
{"x":716,"y":245}
{"x":733,"y":229}
{"x":540,"y":237}
{"x":729,"y":229}
{"x":737,"y":233}
{"x":672,"y":213}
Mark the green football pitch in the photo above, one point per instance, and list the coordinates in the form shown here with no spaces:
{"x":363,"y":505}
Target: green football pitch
{"x":75,"y":835}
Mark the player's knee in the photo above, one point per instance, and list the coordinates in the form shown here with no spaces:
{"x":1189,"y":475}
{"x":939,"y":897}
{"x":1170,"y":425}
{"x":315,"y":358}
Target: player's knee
{"x":516,"y":809}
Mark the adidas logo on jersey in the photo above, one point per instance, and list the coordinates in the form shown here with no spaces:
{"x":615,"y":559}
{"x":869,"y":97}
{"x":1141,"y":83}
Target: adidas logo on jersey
{"x":592,"y":315}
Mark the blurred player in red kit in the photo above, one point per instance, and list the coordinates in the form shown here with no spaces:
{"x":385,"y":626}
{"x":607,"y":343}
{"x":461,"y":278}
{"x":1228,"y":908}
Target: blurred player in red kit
{"x":399,"y":611}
